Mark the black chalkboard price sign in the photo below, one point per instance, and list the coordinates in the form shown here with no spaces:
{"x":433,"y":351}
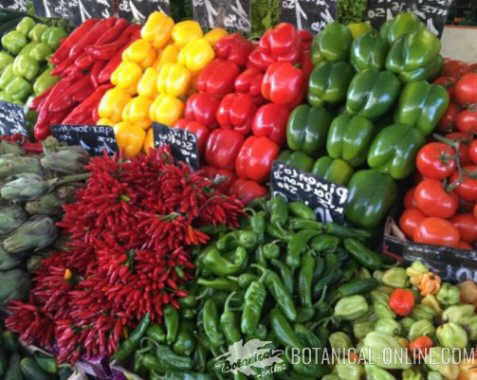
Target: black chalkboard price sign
{"x":139,"y":10}
{"x":326,"y":198}
{"x":95,"y":139}
{"x":15,"y":5}
{"x":312,"y":15}
{"x":77,"y":11}
{"x":183,"y":143}
{"x":432,"y":12}
{"x":12,"y":119}
{"x":231,"y":14}
{"x":380,"y":11}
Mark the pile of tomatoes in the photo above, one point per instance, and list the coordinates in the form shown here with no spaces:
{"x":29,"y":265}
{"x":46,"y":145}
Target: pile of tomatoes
{"x":442,"y":208}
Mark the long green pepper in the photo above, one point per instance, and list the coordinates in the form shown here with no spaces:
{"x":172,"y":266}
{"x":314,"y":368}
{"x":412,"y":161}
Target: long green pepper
{"x":228,"y":321}
{"x":132,"y":343}
{"x":305,"y":279}
{"x":171,"y":320}
{"x":297,"y":245}
{"x":210,"y":317}
{"x":278,"y":211}
{"x":254,"y":300}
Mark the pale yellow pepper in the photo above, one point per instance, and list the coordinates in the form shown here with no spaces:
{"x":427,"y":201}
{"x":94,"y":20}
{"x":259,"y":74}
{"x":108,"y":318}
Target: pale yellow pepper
{"x":166,"y":109}
{"x":147,"y":83}
{"x":197,"y":54}
{"x":158,"y":29}
{"x":130,"y":138}
{"x":173,"y":79}
{"x":186,"y":31}
{"x":137,"y":111}
{"x":149,"y":140}
{"x":105,"y":122}
{"x":215,"y":35}
{"x":141,"y":52}
{"x":113,"y":103}
{"x":168,"y":55}
{"x":126,"y":76}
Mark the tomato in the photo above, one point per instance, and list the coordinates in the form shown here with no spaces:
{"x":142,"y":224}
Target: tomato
{"x":463,"y":139}
{"x":464,"y":245}
{"x":466,"y":121}
{"x":466,"y":187}
{"x":448,"y":83}
{"x":473,"y":151}
{"x":437,"y":231}
{"x":436,"y":160}
{"x":466,"y":89}
{"x":454,"y":68}
{"x":467,"y":226}
{"x":410,"y":219}
{"x":432,"y":199}
{"x":222,"y":177}
{"x":447,"y":121}
{"x":420,"y":346}
{"x":409,"y":201}
{"x":247,"y":190}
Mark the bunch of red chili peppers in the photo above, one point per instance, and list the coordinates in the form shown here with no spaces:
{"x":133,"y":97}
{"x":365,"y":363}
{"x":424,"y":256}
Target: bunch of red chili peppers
{"x":241,"y":109}
{"x":130,"y":231}
{"x":85,"y":61}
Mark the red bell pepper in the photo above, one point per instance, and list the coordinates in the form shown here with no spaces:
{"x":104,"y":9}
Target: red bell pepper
{"x":236,"y":111}
{"x":223,"y":147}
{"x":259,"y":59}
{"x":234,"y":48}
{"x":202,"y":108}
{"x":223,"y":178}
{"x":201,"y":131}
{"x":218,"y":77}
{"x":271,"y":121}
{"x":255,"y":158}
{"x":247,"y":191}
{"x":282,"y":43}
{"x":283,"y":83}
{"x":306,"y":39}
{"x":250,"y":82}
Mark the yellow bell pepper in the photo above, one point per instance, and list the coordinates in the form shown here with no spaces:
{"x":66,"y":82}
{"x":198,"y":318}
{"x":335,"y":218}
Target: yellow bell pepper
{"x":126,"y":76}
{"x":105,"y":122}
{"x":157,"y":29}
{"x":149,"y":140}
{"x":186,"y":31}
{"x":196,"y":55}
{"x":130,"y":138}
{"x":141,"y":52}
{"x":168,"y":55}
{"x":147,"y":83}
{"x":112,"y":104}
{"x":138,"y":111}
{"x":173,"y":79}
{"x":166,"y":109}
{"x":215,"y":34}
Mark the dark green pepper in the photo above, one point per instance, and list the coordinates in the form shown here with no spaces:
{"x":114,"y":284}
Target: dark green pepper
{"x":297,"y":245}
{"x":285,"y":274}
{"x":276,"y":232}
{"x":170,"y":359}
{"x":305,"y":224}
{"x":369,"y":51}
{"x":240,"y":238}
{"x":402,"y":24}
{"x":253,"y":303}
{"x":258,"y":224}
{"x":271,"y":251}
{"x":185,"y":342}
{"x":324,"y":243}
{"x":428,"y":72}
{"x":156,"y":333}
{"x":53,"y":36}
{"x":171,"y":320}
{"x":366,"y":257}
{"x":283,"y":330}
{"x":211,"y":323}
{"x":219,"y":283}
{"x":333,"y":43}
{"x":44,"y":81}
{"x":305,"y":279}
{"x":347,"y":232}
{"x":245,"y":279}
{"x":333,"y":170}
{"x":220,"y":266}
{"x":360,"y":286}
{"x":301,"y":210}
{"x":132,"y":343}
{"x":229,"y":323}
{"x":200,"y":358}
{"x":297,"y":160}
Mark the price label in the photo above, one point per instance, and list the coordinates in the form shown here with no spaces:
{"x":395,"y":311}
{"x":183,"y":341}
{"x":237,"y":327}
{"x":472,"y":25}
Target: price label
{"x":95,"y":139}
{"x":380,"y":11}
{"x":139,"y":10}
{"x":432,"y":12}
{"x":14,"y":5}
{"x":183,"y":143}
{"x":326,"y":198}
{"x":12,"y":119}
{"x":312,"y":15}
{"x":78,"y":11}
{"x":234,"y":14}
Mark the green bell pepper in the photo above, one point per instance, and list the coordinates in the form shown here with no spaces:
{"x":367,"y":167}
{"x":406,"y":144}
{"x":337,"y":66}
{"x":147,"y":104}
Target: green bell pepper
{"x":5,"y":60}
{"x":53,"y":36}
{"x":44,"y":82}
{"x":25,"y":67}
{"x":394,"y":150}
{"x":402,"y":24}
{"x":7,"y":76}
{"x":333,"y":43}
{"x":372,"y":93}
{"x":422,"y":105}
{"x":349,"y":138}
{"x":307,"y":129}
{"x":27,"y":48}
{"x":40,"y":51}
{"x":14,"y":42}
{"x":429,"y":72}
{"x":18,"y":89}
{"x":333,"y":170}
{"x":25,"y":25}
{"x":329,"y":82}
{"x":36,"y":32}
{"x":297,"y":160}
{"x":413,"y":52}
{"x":371,"y":195}
{"x":369,"y":52}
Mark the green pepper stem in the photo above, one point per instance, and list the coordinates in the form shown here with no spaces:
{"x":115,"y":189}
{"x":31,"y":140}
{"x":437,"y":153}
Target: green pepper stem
{"x":227,"y":302}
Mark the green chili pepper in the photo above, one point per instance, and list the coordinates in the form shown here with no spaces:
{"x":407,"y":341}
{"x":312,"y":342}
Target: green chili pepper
{"x":360,"y":286}
{"x":319,"y":268}
{"x":260,"y":256}
{"x":285,"y":273}
{"x":171,"y":360}
{"x":252,"y":310}
{"x":347,"y":232}
{"x":211,"y":323}
{"x":186,"y":375}
{"x":305,"y":314}
{"x":271,"y":251}
{"x":302,"y":224}
{"x":258,"y":223}
{"x":297,"y":245}
{"x":131,"y":344}
{"x":185,"y":342}
{"x":301,"y":210}
{"x":171,"y":320}
{"x":305,"y":279}
{"x":245,"y":279}
{"x":332,"y":271}
{"x":283,"y":330}
{"x":278,"y":211}
{"x":228,"y":321}
{"x":219,"y":283}
{"x":188,"y":301}
{"x":261,"y":332}
{"x":276,"y":232}
{"x":220,"y":266}
{"x":156,"y":333}
{"x":325,"y":243}
{"x":362,"y":254}
{"x":200,"y":358}
{"x":240,"y":238}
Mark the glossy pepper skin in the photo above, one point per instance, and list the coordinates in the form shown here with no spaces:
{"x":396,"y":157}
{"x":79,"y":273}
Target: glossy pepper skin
{"x":215,"y":35}
{"x":247,"y":190}
{"x":394,"y":150}
{"x":25,"y":67}
{"x":173,"y":79}
{"x":147,"y":85}
{"x":372,"y":93}
{"x":307,"y":129}
{"x":236,"y":111}
{"x":113,"y":103}
{"x":329,"y":82}
{"x":223,"y":147}
{"x":369,"y":51}
{"x":283,"y":83}
{"x":53,"y":36}
{"x":333,"y":43}
{"x":271,"y":121}
{"x":126,"y":76}
{"x":166,"y":109}
{"x":157,"y":29}
{"x":333,"y":170}
{"x":282,"y":43}
{"x":196,"y":55}
{"x":141,"y":52}
{"x":202,"y":108}
{"x":349,"y":138}
{"x":402,"y":24}
{"x":168,"y":55}
{"x":218,"y":77}
{"x":255,"y":158}
{"x":422,"y":105}
{"x":250,"y":82}
{"x":234,"y":48}
{"x":186,"y":31}
{"x":130,"y":138}
{"x":201,"y":131}
{"x":371,"y":194}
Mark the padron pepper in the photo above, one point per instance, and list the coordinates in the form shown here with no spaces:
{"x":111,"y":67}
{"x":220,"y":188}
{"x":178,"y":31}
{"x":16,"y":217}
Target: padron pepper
{"x":166,"y":109}
{"x":210,"y":317}
{"x":173,"y":79}
{"x":333,"y":170}
{"x":196,"y":55}
{"x":214,"y":261}
{"x":157,"y":29}
{"x":402,"y":24}
{"x":254,"y":300}
{"x":239,"y":238}
{"x":333,"y":43}
{"x":369,"y":51}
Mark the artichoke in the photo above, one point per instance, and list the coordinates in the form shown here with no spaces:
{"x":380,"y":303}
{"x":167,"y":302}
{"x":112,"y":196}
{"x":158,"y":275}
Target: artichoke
{"x":37,"y":233}
{"x":25,"y":187}
{"x":13,"y":165}
{"x":11,"y":217}
{"x":15,"y":285}
{"x":48,"y":204}
{"x":8,"y":261}
{"x":66,"y":160}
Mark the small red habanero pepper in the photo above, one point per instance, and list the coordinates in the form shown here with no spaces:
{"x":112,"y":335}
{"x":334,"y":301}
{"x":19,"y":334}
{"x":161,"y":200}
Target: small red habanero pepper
{"x":236,"y":111}
{"x":218,"y":77}
{"x":401,"y":301}
{"x":271,"y":121}
{"x":282,"y":43}
{"x":202,"y":108}
{"x":201,"y":131}
{"x":223,"y":178}
{"x":255,"y":158}
{"x":234,"y":48}
{"x":247,"y":190}
{"x":223,"y":147}
{"x":250,"y":82}
{"x":283,"y":83}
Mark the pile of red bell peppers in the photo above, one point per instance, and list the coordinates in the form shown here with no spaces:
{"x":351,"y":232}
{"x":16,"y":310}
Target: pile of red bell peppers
{"x":243,"y":101}
{"x":85,"y":61}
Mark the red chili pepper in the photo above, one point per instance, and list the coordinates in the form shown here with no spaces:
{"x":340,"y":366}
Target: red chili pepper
{"x":259,"y":60}
{"x":84,"y":110}
{"x":282,"y":43}
{"x":218,"y":77}
{"x":250,"y":82}
{"x":236,"y":111}
{"x":247,"y":191}
{"x":120,"y":24}
{"x":56,"y":93}
{"x":271,"y":121}
{"x":107,"y":51}
{"x":284,"y":84}
{"x":96,"y":71}
{"x":37,"y":102}
{"x":84,"y":61}
{"x":67,"y":97}
{"x":234,"y":48}
{"x":401,"y":301}
{"x":65,"y":64}
{"x":202,"y":108}
{"x":42,"y":127}
{"x":91,"y":36}
{"x":223,"y":147}
{"x":201,"y":131}
{"x":420,"y":346}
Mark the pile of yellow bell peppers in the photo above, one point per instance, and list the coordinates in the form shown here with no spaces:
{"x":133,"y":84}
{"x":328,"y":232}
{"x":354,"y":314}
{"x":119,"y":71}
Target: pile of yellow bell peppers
{"x":155,"y":76}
